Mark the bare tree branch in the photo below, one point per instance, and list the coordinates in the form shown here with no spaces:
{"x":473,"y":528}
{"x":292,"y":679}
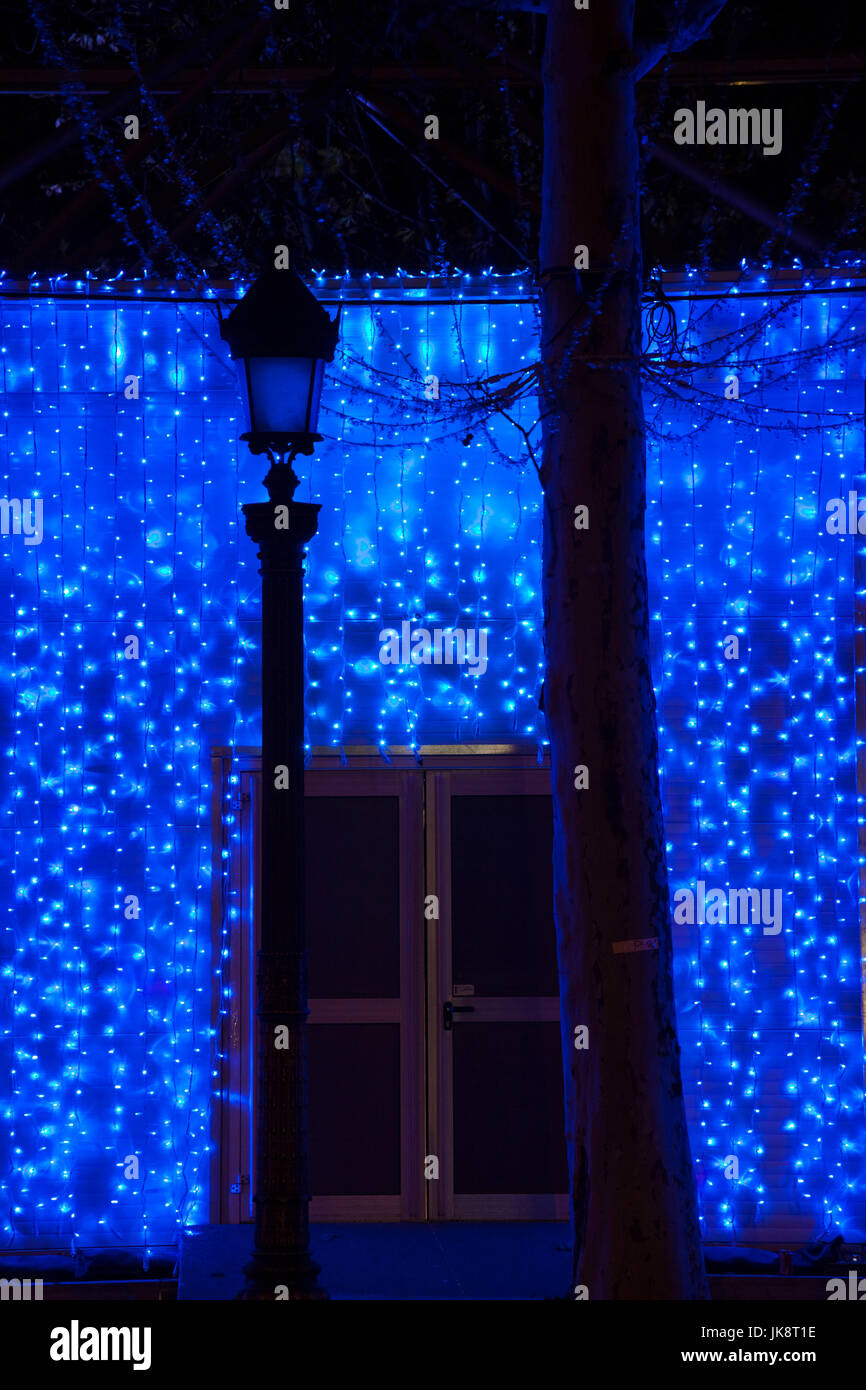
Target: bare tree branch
{"x":688,"y":22}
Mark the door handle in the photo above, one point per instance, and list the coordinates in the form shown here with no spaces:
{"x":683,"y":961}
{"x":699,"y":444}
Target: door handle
{"x":449,"y":1010}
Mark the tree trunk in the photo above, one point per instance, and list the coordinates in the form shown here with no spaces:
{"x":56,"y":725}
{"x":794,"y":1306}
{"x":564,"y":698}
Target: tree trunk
{"x":634,"y":1204}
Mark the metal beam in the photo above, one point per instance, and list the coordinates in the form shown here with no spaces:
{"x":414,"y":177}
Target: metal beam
{"x":749,"y":206}
{"x":375,"y":115}
{"x":213,"y":174}
{"x":124,"y":92}
{"x":259,"y":81}
{"x":254,"y":81}
{"x":218,"y":195}
{"x":50,"y":235}
{"x":458,"y":154}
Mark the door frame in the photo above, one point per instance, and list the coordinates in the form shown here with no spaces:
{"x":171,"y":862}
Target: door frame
{"x":444,"y":1203}
{"x":234,"y":817}
{"x":406,"y":1010}
{"x":420,"y":782}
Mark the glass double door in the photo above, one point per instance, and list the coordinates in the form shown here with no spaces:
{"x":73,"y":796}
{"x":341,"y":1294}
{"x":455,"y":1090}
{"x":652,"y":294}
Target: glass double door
{"x":434,"y":1042}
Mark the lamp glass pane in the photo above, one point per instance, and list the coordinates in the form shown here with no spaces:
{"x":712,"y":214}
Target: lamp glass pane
{"x":279,"y":393}
{"x":318,"y":377}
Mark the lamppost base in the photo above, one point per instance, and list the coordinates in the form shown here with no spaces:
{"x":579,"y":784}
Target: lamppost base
{"x":274,"y":1276}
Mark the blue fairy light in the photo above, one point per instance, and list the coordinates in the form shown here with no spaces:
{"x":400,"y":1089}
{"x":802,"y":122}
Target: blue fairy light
{"x":105,"y":786}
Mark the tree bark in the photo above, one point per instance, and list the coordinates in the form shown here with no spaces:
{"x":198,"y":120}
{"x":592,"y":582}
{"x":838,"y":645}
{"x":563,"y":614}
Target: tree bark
{"x":633,"y":1194}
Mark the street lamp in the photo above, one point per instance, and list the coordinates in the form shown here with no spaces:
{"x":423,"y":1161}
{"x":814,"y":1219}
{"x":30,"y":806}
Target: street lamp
{"x":281,"y":338}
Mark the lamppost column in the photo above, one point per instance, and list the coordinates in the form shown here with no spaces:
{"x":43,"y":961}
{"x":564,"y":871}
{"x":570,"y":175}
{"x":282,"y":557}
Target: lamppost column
{"x":281,"y":1195}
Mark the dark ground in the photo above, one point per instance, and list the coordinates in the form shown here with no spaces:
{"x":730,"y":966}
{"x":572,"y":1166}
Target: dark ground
{"x":429,"y":1261}
{"x":398,"y":1260}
